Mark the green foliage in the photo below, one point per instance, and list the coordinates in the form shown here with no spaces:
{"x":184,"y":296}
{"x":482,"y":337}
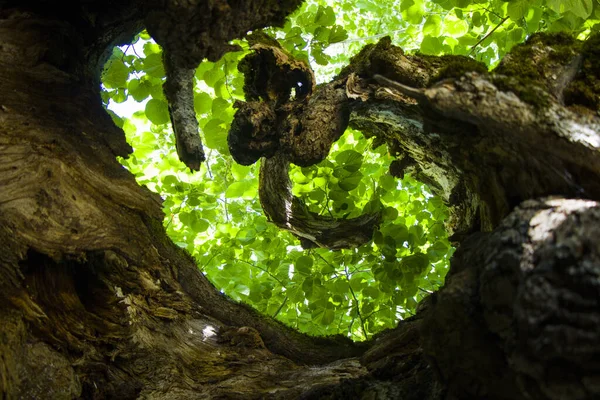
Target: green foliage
{"x":215,"y":213}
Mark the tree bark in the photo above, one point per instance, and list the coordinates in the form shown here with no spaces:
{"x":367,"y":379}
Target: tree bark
{"x":97,"y":302}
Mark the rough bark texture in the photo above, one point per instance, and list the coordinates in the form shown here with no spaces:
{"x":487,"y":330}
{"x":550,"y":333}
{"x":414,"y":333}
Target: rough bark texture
{"x":525,"y":315}
{"x":484,"y":142}
{"x":287,"y":119}
{"x":96,"y":301}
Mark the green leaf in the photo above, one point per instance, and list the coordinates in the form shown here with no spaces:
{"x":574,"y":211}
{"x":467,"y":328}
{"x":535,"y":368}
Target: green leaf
{"x":327,"y":269}
{"x":153,"y":65}
{"x":139,"y":90}
{"x":415,"y":263}
{"x":220,"y":107}
{"x":371,"y":292}
{"x":389,"y":247}
{"x":414,"y":14}
{"x":213,"y":75}
{"x":194,"y":222}
{"x":323,"y":316}
{"x":319,"y":56}
{"x":368,"y":5}
{"x":240,"y":172}
{"x":304,"y":265}
{"x":321,"y":33}
{"x":236,"y":189}
{"x":433,"y":25}
{"x":325,"y":16}
{"x":455,"y":26}
{"x":200,"y":225}
{"x":246,"y":236}
{"x":312,"y":287}
{"x":115,"y":76}
{"x":157,"y":111}
{"x":431,"y":45}
{"x":202,"y":68}
{"x":416,"y":236}
{"x":390,"y":213}
{"x":215,"y":135}
{"x":437,"y":250}
{"x":151,"y":48}
{"x":241,"y":189}
{"x":388,"y":182}
{"x":119,"y":95}
{"x":116,"y":119}
{"x":337,"y":34}
{"x":517,"y":9}
{"x":581,"y":8}
{"x":202,"y":102}
{"x":350,"y":160}
{"x":350,"y":182}
{"x":477,"y":19}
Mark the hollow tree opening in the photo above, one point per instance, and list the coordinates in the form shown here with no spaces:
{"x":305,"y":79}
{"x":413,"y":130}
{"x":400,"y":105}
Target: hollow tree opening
{"x":349,"y":292}
{"x":517,"y":317}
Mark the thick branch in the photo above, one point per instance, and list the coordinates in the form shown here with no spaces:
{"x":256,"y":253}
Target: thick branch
{"x":485,"y":141}
{"x":290,"y":213}
{"x":179,"y":91}
{"x":289,"y":120}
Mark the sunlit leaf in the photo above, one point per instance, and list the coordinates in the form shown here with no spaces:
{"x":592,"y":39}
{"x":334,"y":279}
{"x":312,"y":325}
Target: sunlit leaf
{"x":202,"y":102}
{"x":115,"y":76}
{"x":157,"y":111}
{"x":304,"y":265}
{"x":153,"y":65}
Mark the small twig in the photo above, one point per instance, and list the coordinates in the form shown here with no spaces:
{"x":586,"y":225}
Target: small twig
{"x":226,"y":70}
{"x":362,"y":322}
{"x":488,"y":34}
{"x":134,"y":52}
{"x":424,"y":290}
{"x":280,"y":307}
{"x":209,"y":260}
{"x":492,"y":12}
{"x":353,"y":296}
{"x":327,"y":205}
{"x":264,"y":270}
{"x":207,"y":163}
{"x":225,"y":209}
{"x":125,"y":53}
{"x":173,"y":214}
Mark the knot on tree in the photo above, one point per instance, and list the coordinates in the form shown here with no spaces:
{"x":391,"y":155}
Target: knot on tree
{"x":278,"y":88}
{"x":287,"y":118}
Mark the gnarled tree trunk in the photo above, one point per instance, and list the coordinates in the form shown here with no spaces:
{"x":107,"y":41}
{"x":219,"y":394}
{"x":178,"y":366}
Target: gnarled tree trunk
{"x":97,"y":302}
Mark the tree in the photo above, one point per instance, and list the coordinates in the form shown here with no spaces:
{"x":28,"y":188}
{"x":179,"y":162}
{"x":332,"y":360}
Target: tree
{"x":97,"y":302}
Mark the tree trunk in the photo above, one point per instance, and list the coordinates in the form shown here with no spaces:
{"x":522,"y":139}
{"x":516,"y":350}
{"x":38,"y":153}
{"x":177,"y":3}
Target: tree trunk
{"x":97,"y":302}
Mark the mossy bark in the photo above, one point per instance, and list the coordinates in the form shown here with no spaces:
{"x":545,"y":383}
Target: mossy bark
{"x":97,"y":302}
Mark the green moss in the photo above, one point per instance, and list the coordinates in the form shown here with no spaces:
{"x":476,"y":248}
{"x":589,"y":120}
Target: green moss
{"x":529,"y":93}
{"x":585,"y":89}
{"x":522,"y":70}
{"x":376,"y":58}
{"x":552,"y":39}
{"x":456,"y":66}
{"x":519,"y":63}
{"x":358,"y":61}
{"x":526,"y":60}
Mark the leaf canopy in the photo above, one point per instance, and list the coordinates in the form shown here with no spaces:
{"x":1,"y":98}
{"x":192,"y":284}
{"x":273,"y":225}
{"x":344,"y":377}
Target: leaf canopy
{"x":215,"y":213}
